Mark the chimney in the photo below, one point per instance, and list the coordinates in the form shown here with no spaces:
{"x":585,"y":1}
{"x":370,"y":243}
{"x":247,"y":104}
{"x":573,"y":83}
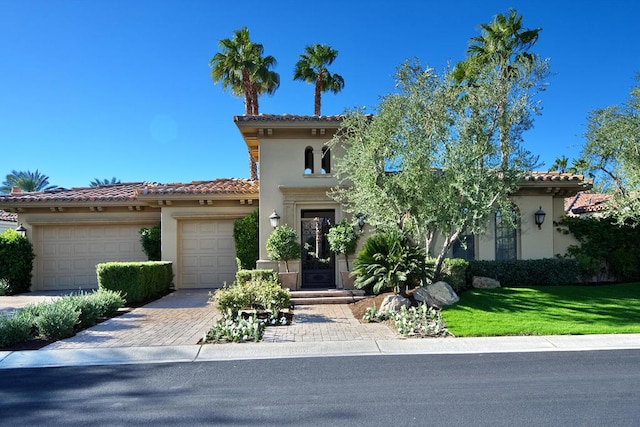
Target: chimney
{"x":15,"y":191}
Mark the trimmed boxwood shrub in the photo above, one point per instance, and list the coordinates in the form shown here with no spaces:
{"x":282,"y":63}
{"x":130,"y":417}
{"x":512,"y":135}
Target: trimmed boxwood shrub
{"x":137,"y":281}
{"x":531,"y":272}
{"x":16,"y":253}
{"x":243,"y":276}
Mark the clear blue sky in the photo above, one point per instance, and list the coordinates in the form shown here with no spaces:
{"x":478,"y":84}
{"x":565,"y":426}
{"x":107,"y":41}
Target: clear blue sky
{"x":121,"y":88}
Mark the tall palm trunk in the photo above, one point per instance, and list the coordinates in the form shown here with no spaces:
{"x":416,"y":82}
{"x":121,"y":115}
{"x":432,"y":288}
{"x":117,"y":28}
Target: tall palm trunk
{"x":318,"y":94}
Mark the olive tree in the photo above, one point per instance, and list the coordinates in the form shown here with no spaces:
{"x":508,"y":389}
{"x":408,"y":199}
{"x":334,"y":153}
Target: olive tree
{"x":612,"y":148}
{"x":431,"y":162}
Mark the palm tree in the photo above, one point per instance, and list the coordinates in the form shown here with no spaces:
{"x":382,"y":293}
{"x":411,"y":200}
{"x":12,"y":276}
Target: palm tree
{"x":27,"y":181}
{"x":560,"y":164}
{"x":242,"y":68}
{"x":312,"y":68}
{"x":97,"y":182}
{"x":503,"y":42}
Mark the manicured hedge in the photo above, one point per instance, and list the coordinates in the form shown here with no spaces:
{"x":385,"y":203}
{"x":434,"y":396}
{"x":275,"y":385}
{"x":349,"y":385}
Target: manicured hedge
{"x":532,"y":272}
{"x":137,"y":281}
{"x":243,"y":276}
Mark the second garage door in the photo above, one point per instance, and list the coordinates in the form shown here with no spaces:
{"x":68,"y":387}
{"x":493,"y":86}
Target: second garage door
{"x":207,"y":253}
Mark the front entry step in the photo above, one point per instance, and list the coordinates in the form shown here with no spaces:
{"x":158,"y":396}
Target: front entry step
{"x":326,"y":296}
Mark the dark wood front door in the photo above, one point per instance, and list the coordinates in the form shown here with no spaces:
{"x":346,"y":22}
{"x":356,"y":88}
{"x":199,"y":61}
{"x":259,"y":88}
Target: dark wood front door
{"x":318,"y":263}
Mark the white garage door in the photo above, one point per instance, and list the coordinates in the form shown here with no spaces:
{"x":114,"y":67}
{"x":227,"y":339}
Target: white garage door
{"x":207,"y":253}
{"x":66,"y":256}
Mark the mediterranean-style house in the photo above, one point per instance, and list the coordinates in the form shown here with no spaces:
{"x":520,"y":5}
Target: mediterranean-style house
{"x":74,"y":229}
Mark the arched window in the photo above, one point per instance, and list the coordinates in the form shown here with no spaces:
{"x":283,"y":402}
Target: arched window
{"x":308,"y":160}
{"x":326,"y":160}
{"x":506,"y":236}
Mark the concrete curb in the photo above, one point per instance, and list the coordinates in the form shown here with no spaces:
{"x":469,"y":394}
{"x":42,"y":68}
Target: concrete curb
{"x":220,"y":352}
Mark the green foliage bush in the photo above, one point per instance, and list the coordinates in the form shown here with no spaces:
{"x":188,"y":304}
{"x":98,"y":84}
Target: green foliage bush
{"x":388,"y":262}
{"x":245,"y":237}
{"x":16,"y":254}
{"x":236,"y":330}
{"x":283,"y":245}
{"x":243,"y":276}
{"x":455,"y":272}
{"x":56,"y":320}
{"x":343,"y":239}
{"x":107,"y":301}
{"x":255,"y":294}
{"x":60,"y":318}
{"x":136,"y":281}
{"x":527,"y":273}
{"x":606,"y":248}
{"x":151,"y":240}
{"x":14,"y":329}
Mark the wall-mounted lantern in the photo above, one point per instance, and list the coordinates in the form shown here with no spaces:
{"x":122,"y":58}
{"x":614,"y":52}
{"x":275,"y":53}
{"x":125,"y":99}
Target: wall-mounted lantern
{"x":360,"y":217}
{"x":274,"y":218}
{"x":21,"y":230}
{"x":539,"y":217}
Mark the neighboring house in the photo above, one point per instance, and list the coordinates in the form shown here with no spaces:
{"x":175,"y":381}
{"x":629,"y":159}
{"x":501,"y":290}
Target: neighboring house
{"x":587,"y":204}
{"x":72,"y":230}
{"x":8,"y":220}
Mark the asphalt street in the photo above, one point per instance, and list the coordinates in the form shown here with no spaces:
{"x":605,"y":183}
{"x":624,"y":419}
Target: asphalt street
{"x":586,"y":388}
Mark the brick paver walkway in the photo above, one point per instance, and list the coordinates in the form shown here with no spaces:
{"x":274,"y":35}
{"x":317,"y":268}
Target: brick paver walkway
{"x":183,"y":317}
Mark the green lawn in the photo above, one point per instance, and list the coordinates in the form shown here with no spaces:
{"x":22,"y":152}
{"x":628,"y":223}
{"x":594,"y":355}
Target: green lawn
{"x":561,"y":310}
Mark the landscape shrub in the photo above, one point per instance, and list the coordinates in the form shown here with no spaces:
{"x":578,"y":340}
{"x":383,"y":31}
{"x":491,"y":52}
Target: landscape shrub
{"x":245,"y":237}
{"x":256,"y":294}
{"x":16,"y":253}
{"x":527,"y":273}
{"x":243,"y":276}
{"x":57,"y":319}
{"x":388,"y":262}
{"x":236,"y":330}
{"x":107,"y":301}
{"x":14,"y":329}
{"x":151,"y":241}
{"x":136,"y":281}
{"x":454,"y":271}
{"x":86,"y":305}
{"x":606,"y":249}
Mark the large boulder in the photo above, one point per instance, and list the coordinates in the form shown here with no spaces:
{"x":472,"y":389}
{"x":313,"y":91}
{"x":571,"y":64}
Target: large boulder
{"x":394,"y":303}
{"x":480,"y":282}
{"x":437,"y":294}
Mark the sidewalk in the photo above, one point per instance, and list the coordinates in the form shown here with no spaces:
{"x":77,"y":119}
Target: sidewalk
{"x":167,"y":330}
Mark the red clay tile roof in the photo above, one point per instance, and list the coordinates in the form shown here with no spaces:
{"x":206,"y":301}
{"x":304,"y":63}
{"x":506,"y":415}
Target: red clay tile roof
{"x":554,"y":176}
{"x":129,"y":192}
{"x":218,"y":186}
{"x":8,"y":216}
{"x":587,"y":203}
{"x":287,"y":117}
{"x":106,"y":193}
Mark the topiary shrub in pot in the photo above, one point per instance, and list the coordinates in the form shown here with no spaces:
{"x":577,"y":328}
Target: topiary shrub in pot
{"x":343,"y":240}
{"x":283,"y":245}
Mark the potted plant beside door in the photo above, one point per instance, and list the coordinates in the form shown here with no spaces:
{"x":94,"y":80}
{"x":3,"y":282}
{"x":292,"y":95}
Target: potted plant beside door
{"x":343,"y":239}
{"x":283,"y":245}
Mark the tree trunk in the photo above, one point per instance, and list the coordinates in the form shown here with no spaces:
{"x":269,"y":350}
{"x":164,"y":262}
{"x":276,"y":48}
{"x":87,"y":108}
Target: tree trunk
{"x":253,"y":168}
{"x":318,"y":94}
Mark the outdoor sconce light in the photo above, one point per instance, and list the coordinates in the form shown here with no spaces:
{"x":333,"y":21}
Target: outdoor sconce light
{"x":275,"y":219}
{"x":21,"y":230}
{"x":360,"y":217}
{"x":539,"y":217}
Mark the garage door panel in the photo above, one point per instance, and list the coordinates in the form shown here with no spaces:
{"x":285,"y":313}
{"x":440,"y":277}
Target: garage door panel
{"x":66,"y":256}
{"x":207,"y":253}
